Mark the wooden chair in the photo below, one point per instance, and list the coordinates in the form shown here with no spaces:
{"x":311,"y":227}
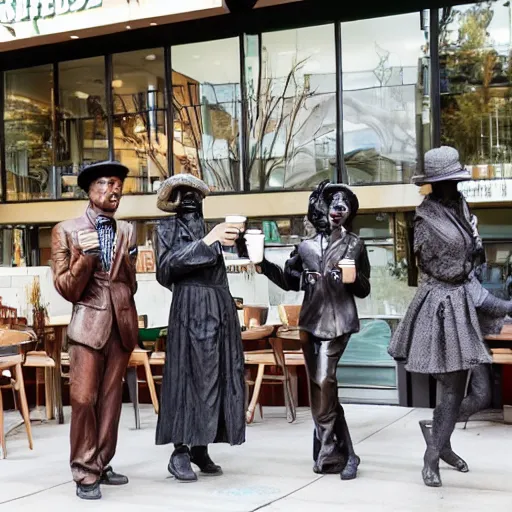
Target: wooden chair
{"x":17,"y":384}
{"x":138,"y":358}
{"x":263,"y":358}
{"x":41,"y":361}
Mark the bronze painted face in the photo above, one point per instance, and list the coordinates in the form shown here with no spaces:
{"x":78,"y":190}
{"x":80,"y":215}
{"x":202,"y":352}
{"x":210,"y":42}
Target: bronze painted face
{"x":105,"y":194}
{"x":339,"y":210}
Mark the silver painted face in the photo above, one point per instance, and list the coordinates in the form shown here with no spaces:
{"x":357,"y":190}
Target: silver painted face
{"x":339,"y":210}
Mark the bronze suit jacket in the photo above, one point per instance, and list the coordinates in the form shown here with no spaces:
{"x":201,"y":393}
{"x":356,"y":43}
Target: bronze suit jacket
{"x":98,"y":297}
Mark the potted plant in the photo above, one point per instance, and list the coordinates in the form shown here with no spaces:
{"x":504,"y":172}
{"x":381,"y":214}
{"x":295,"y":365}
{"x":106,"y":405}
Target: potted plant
{"x":39,"y":309}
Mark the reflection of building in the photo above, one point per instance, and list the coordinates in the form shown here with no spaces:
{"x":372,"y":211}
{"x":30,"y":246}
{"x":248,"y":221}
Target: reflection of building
{"x":263,"y":108}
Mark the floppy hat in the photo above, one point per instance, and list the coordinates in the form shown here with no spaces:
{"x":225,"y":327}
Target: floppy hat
{"x":165,"y":191}
{"x":442,"y":164}
{"x":98,"y":170}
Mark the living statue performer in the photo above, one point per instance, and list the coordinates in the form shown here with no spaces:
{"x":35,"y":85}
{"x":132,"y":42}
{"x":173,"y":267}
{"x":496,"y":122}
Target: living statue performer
{"x":94,"y":259}
{"x":332,"y":268}
{"x":442,"y":331}
{"x":202,"y":398}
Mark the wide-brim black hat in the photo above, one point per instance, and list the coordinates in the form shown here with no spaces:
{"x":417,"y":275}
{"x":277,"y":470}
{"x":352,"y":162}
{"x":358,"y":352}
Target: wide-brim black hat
{"x":333,"y":188}
{"x":98,"y":170}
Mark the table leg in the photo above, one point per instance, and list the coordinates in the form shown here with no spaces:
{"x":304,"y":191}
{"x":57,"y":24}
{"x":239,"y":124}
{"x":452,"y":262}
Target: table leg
{"x":294,"y":384}
{"x":49,"y":385}
{"x":60,"y":332}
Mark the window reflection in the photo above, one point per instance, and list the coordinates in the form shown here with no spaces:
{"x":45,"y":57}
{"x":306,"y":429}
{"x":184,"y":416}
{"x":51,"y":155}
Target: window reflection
{"x":385,"y":107}
{"x":207,"y":112}
{"x":83,"y":137}
{"x":476,"y":110}
{"x":140,"y":125}
{"x":28,"y":133}
{"x":291,"y":95}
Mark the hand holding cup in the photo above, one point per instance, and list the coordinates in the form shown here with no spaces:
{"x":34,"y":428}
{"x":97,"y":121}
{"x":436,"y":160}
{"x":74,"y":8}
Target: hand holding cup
{"x":88,"y":240}
{"x":224,"y":233}
{"x":348,"y":271}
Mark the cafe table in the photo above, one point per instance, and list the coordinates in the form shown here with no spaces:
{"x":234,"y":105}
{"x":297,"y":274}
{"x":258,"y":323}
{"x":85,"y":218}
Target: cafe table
{"x":53,"y":347}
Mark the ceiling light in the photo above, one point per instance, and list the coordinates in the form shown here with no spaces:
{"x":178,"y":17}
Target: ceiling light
{"x":74,"y":37}
{"x":153,"y":24}
{"x":81,"y":95}
{"x":116,"y":84}
{"x":151,"y":56}
{"x":195,"y":57}
{"x":128,"y":27}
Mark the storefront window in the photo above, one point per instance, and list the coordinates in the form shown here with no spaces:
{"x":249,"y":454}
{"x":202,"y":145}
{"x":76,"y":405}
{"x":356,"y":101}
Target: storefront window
{"x":495,"y":228}
{"x":82,"y":120}
{"x":475,"y":67}
{"x":140,"y":121}
{"x":386,"y":113}
{"x":207,"y":112}
{"x":291,"y":101}
{"x":28,"y":128}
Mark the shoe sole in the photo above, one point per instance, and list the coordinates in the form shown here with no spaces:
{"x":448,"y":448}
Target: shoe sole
{"x":114,"y":485}
{"x":212,"y":475}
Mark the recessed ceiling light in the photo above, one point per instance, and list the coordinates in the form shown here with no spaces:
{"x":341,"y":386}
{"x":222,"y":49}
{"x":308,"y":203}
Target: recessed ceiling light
{"x":128,"y":27}
{"x":116,"y":84}
{"x":153,"y":24}
{"x":151,"y":56}
{"x":81,"y":95}
{"x":195,"y":57}
{"x":74,"y":37}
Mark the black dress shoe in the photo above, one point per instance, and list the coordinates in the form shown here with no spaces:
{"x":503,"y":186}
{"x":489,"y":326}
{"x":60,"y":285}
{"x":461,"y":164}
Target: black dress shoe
{"x":179,"y":466}
{"x":199,"y":456}
{"x":89,"y":492}
{"x":108,"y":477}
{"x":350,"y":470}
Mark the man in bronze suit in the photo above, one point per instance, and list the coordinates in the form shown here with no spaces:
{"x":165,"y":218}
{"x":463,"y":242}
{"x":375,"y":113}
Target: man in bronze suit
{"x":94,"y":260}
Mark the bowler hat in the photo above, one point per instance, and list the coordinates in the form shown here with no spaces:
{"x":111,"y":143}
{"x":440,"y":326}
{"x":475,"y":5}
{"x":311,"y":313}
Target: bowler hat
{"x":98,"y":170}
{"x":442,"y":164}
{"x":164,"y":201}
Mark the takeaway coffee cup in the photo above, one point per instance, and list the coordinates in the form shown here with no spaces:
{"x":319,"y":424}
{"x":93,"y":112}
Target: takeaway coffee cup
{"x":255,"y":241}
{"x":348,"y":270}
{"x":238,"y":221}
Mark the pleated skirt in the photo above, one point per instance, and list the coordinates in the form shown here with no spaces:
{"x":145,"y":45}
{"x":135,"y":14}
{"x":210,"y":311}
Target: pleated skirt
{"x":440,"y":333}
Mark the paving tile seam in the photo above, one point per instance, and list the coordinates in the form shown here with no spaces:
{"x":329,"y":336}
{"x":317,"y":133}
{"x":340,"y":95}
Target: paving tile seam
{"x":385,"y":427}
{"x":35,"y":493}
{"x":288,"y":495}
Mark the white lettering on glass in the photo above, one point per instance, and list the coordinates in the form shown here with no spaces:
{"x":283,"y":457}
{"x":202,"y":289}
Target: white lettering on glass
{"x":17,"y":11}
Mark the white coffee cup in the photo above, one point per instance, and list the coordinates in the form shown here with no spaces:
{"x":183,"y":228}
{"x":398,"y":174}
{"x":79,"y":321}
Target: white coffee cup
{"x":255,"y":241}
{"x":236,"y":219}
{"x":239,"y":222}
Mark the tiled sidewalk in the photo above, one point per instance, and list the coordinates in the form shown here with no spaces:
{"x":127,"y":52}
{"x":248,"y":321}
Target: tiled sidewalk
{"x":272,"y":471}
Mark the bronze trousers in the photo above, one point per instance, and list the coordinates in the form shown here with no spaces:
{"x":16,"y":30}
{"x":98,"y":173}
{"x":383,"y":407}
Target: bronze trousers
{"x":332,"y":443}
{"x":96,"y":389}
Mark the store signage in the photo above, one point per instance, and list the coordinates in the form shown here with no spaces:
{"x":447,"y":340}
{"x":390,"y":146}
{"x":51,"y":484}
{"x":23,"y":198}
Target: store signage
{"x":22,"y":20}
{"x":487,"y":190}
{"x":16,"y":11}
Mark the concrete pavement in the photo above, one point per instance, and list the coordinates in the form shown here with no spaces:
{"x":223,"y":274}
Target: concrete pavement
{"x":272,"y":471}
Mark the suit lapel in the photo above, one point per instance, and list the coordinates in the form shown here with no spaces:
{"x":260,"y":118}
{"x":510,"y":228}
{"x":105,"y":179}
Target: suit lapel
{"x":336,"y":250}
